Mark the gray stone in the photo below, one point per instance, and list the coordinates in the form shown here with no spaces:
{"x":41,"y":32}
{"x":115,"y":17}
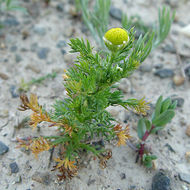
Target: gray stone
{"x":172,"y":3}
{"x":43,"y":53}
{"x":61,"y":44}
{"x":98,"y":144}
{"x":91,"y":181}
{"x":132,"y":187}
{"x":18,"y":58}
{"x":184,"y":177}
{"x":170,"y":148}
{"x":164,"y":73}
{"x":124,"y":85}
{"x":18,"y":180}
{"x":60,"y":7}
{"x":13,"y":48}
{"x":116,"y":13}
{"x":145,"y":68}
{"x":160,"y":182}
{"x":3,"y":148}
{"x":14,"y":167}
{"x":40,"y":30}
{"x":123,"y":176}
{"x":34,"y":47}
{"x":180,"y":101}
{"x":4,"y":76}
{"x":34,"y":68}
{"x":187,"y":71}
{"x":63,"y":51}
{"x":11,"y":22}
{"x":169,"y":48}
{"x":13,"y":91}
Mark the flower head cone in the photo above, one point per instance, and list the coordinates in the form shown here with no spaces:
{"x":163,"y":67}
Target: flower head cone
{"x":116,"y":39}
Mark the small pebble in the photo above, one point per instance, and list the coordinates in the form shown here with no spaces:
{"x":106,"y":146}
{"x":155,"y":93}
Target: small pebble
{"x":178,"y":80}
{"x":4,"y":76}
{"x":4,"y":113}
{"x":187,"y":156}
{"x":98,"y":144}
{"x":18,"y":58}
{"x":13,"y":91}
{"x":164,"y":73}
{"x":13,"y":48}
{"x":69,"y":32}
{"x":184,"y":187}
{"x":170,"y":148}
{"x":68,"y":58}
{"x":91,"y":181}
{"x":123,"y":176}
{"x":116,"y":13}
{"x":11,"y":22}
{"x":43,"y":53}
{"x":186,"y":30}
{"x":180,"y":101}
{"x":160,"y":182}
{"x":124,"y":85}
{"x":184,"y":177}
{"x":63,"y":51}
{"x":158,"y":66}
{"x":145,"y":68}
{"x":34,"y":47}
{"x":3,"y":148}
{"x":187,"y":71}
{"x":61,"y":44}
{"x":73,"y":11}
{"x":25,"y":34}
{"x":188,"y":131}
{"x":17,"y":180}
{"x":14,"y":167}
{"x":33,"y":68}
{"x":132,"y":187}
{"x":60,"y":7}
{"x":169,"y":48}
{"x":41,"y":31}
{"x":172,"y":3}
{"x":114,"y":111}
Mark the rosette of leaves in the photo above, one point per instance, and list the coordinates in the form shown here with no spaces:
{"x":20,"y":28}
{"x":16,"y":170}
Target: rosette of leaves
{"x":163,"y":114}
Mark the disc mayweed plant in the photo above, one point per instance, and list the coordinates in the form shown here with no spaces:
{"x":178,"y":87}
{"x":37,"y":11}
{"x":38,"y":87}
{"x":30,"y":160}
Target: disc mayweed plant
{"x":82,"y":117}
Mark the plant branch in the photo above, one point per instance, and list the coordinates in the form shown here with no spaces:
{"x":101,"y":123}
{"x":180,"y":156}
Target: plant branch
{"x":142,"y":144}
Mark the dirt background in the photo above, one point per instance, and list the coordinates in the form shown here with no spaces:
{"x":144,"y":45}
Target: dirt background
{"x":29,"y":49}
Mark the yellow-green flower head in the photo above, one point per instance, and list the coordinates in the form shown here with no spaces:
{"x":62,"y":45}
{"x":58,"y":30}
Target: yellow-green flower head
{"x":116,"y":39}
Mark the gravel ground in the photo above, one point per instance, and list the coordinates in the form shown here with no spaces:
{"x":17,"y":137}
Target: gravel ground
{"x":34,"y":45}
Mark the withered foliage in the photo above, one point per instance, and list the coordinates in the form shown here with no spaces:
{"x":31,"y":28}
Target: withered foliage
{"x":67,"y":168}
{"x":36,"y":145}
{"x":65,"y":173}
{"x":24,"y":143}
{"x":29,"y":104}
{"x":39,"y":145}
{"x":122,"y":134}
{"x":38,"y":114}
{"x":104,"y":157}
{"x":142,"y":107}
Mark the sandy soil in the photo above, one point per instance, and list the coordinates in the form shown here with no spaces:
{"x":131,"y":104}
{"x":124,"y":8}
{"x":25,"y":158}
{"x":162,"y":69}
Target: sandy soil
{"x":60,"y":26}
